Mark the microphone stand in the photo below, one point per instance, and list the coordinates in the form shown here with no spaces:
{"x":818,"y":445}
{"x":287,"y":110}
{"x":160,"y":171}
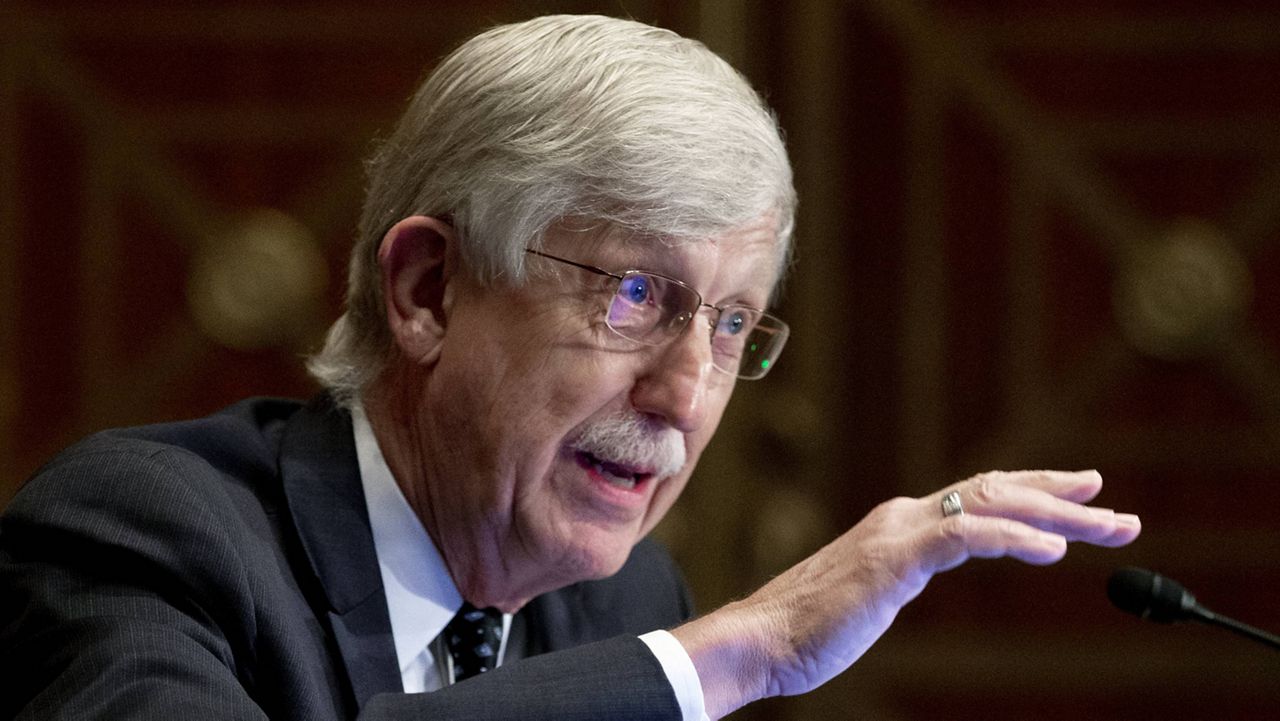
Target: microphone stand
{"x":1149,"y":595}
{"x":1200,"y":613}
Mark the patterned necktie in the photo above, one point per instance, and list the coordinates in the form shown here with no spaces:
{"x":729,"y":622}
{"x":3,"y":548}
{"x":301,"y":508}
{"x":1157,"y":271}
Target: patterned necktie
{"x":474,"y":637}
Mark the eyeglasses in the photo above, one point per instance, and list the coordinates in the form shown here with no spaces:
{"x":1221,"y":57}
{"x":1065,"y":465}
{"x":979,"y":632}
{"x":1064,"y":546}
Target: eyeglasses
{"x":652,"y":309}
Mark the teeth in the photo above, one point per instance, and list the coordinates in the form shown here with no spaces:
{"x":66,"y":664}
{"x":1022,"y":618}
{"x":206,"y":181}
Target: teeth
{"x":626,"y":482}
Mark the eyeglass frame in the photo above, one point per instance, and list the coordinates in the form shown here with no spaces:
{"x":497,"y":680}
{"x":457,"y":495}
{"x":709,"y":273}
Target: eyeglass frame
{"x":782,"y":328}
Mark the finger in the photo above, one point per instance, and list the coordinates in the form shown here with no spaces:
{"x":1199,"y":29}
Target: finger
{"x":959,"y":538}
{"x":1128,"y":526}
{"x":1075,"y":486}
{"x":1041,"y":510}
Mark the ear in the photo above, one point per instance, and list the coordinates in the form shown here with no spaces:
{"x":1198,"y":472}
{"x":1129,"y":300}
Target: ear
{"x":416,"y":269}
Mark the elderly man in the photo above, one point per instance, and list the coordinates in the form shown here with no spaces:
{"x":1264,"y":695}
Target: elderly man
{"x":562,"y":267}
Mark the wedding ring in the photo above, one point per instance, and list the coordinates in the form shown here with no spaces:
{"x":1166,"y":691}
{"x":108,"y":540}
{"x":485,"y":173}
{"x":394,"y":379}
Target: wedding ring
{"x":951,"y":505}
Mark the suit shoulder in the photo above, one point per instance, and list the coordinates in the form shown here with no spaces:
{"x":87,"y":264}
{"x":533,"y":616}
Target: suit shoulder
{"x":240,"y":435}
{"x":163,"y":467}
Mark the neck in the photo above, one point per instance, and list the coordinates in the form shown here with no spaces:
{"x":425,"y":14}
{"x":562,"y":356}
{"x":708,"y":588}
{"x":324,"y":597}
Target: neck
{"x":471,"y":548}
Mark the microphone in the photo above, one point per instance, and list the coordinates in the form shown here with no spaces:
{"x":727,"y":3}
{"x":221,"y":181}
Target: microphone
{"x":1149,"y":595}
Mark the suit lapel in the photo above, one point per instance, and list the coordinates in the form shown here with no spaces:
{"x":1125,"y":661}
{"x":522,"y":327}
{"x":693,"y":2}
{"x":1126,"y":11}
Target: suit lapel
{"x":321,"y":478}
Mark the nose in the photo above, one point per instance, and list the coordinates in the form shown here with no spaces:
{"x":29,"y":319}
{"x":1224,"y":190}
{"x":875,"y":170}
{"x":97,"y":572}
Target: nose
{"x":674,"y":384}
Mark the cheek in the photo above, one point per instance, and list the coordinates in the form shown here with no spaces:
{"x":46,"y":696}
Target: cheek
{"x":528,"y":405}
{"x":717,"y":401}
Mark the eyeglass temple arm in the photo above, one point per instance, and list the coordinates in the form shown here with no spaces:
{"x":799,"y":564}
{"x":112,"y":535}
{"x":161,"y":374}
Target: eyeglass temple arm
{"x":584,"y":266}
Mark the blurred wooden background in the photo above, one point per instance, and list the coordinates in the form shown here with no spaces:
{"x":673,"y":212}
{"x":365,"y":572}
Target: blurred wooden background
{"x":1032,"y":234}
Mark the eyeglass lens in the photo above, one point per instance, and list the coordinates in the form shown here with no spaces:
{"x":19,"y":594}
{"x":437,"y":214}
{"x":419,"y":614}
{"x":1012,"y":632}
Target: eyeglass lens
{"x":652,"y":308}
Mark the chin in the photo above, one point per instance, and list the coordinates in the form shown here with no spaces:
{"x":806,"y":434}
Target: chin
{"x":585,"y":560}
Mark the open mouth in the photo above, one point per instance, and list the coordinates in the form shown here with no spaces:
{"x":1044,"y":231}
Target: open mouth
{"x":615,"y":474}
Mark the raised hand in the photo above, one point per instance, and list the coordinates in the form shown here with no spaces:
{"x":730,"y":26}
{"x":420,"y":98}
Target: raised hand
{"x":813,"y":621}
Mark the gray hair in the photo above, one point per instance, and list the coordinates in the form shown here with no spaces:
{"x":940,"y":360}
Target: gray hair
{"x":612,"y":121}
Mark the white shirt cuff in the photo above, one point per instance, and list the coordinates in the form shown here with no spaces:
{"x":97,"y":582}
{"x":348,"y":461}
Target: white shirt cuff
{"x":680,"y":672}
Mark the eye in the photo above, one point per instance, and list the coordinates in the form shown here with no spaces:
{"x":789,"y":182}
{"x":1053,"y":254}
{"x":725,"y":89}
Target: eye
{"x":732,"y":322}
{"x":635,"y":288}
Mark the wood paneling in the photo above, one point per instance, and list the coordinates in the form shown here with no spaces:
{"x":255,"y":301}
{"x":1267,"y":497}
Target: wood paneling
{"x":1008,"y":169}
{"x":979,"y":179}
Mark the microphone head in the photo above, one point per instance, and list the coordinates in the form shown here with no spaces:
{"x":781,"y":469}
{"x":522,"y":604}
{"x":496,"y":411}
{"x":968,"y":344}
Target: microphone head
{"x":1149,"y":595}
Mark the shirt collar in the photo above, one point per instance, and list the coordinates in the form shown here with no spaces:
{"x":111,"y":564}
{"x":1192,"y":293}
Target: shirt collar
{"x":421,"y":595}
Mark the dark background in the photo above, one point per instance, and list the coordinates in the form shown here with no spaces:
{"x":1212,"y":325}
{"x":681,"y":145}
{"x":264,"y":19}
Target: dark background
{"x":1032,"y":234}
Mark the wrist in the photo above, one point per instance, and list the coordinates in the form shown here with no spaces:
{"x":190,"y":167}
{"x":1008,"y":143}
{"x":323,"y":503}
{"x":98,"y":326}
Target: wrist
{"x":730,"y":649}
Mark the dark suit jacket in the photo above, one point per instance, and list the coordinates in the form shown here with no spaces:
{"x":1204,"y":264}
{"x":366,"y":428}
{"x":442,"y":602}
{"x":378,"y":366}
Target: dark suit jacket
{"x":224,"y":568}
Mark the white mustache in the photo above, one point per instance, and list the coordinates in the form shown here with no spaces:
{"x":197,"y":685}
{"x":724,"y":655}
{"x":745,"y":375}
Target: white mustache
{"x":631,"y":440}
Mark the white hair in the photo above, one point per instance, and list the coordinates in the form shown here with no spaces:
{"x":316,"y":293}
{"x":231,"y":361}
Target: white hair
{"x":590,"y":117}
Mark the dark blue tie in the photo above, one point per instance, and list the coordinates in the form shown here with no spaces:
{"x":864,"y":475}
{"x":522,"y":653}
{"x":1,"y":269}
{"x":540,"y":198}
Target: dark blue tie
{"x":474,"y":637}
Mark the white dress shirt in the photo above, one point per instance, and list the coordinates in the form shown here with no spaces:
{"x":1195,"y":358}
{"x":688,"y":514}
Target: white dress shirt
{"x":422,"y":597}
